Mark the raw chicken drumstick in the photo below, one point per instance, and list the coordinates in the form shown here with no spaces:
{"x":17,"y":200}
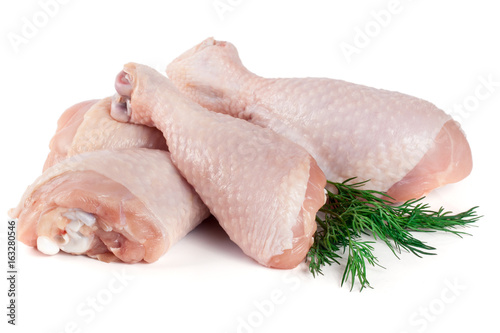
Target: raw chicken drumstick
{"x":87,"y":126}
{"x":404,"y":145}
{"x":263,"y":189}
{"x":53,"y":221}
{"x":128,"y":204}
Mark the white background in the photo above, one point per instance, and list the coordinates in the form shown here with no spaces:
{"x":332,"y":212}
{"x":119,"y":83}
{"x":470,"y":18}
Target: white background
{"x":437,"y":50}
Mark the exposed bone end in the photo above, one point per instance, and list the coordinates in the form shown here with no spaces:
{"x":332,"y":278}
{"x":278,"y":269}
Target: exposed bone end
{"x":47,"y":246}
{"x":69,"y":230}
{"x":120,"y":109}
{"x":78,"y":215}
{"x":78,"y":243}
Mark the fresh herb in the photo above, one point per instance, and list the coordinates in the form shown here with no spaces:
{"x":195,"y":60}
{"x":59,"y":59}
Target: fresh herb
{"x":353,"y":213}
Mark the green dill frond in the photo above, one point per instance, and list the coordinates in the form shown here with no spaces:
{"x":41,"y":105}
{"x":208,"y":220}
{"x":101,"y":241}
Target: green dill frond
{"x":353,"y":213}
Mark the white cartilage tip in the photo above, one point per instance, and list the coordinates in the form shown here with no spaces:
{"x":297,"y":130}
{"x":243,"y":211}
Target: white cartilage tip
{"x":76,"y":242}
{"x":81,"y":216}
{"x":70,"y":214}
{"x":77,"y":245}
{"x":87,"y":218}
{"x":74,"y":225}
{"x":326,"y":196}
{"x":47,"y":246}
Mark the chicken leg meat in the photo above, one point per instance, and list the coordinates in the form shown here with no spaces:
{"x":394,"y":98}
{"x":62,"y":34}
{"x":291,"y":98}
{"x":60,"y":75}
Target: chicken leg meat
{"x":263,"y":189}
{"x":404,"y":145}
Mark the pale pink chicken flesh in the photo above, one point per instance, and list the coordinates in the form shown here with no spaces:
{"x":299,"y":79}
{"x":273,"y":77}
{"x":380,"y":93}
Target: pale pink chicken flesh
{"x":263,"y":189}
{"x":87,"y":126}
{"x":404,"y":145}
{"x":130,"y":205}
{"x":67,"y":125}
{"x":447,"y":161}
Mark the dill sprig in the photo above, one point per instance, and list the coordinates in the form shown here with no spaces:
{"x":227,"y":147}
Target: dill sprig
{"x":354,"y":213}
